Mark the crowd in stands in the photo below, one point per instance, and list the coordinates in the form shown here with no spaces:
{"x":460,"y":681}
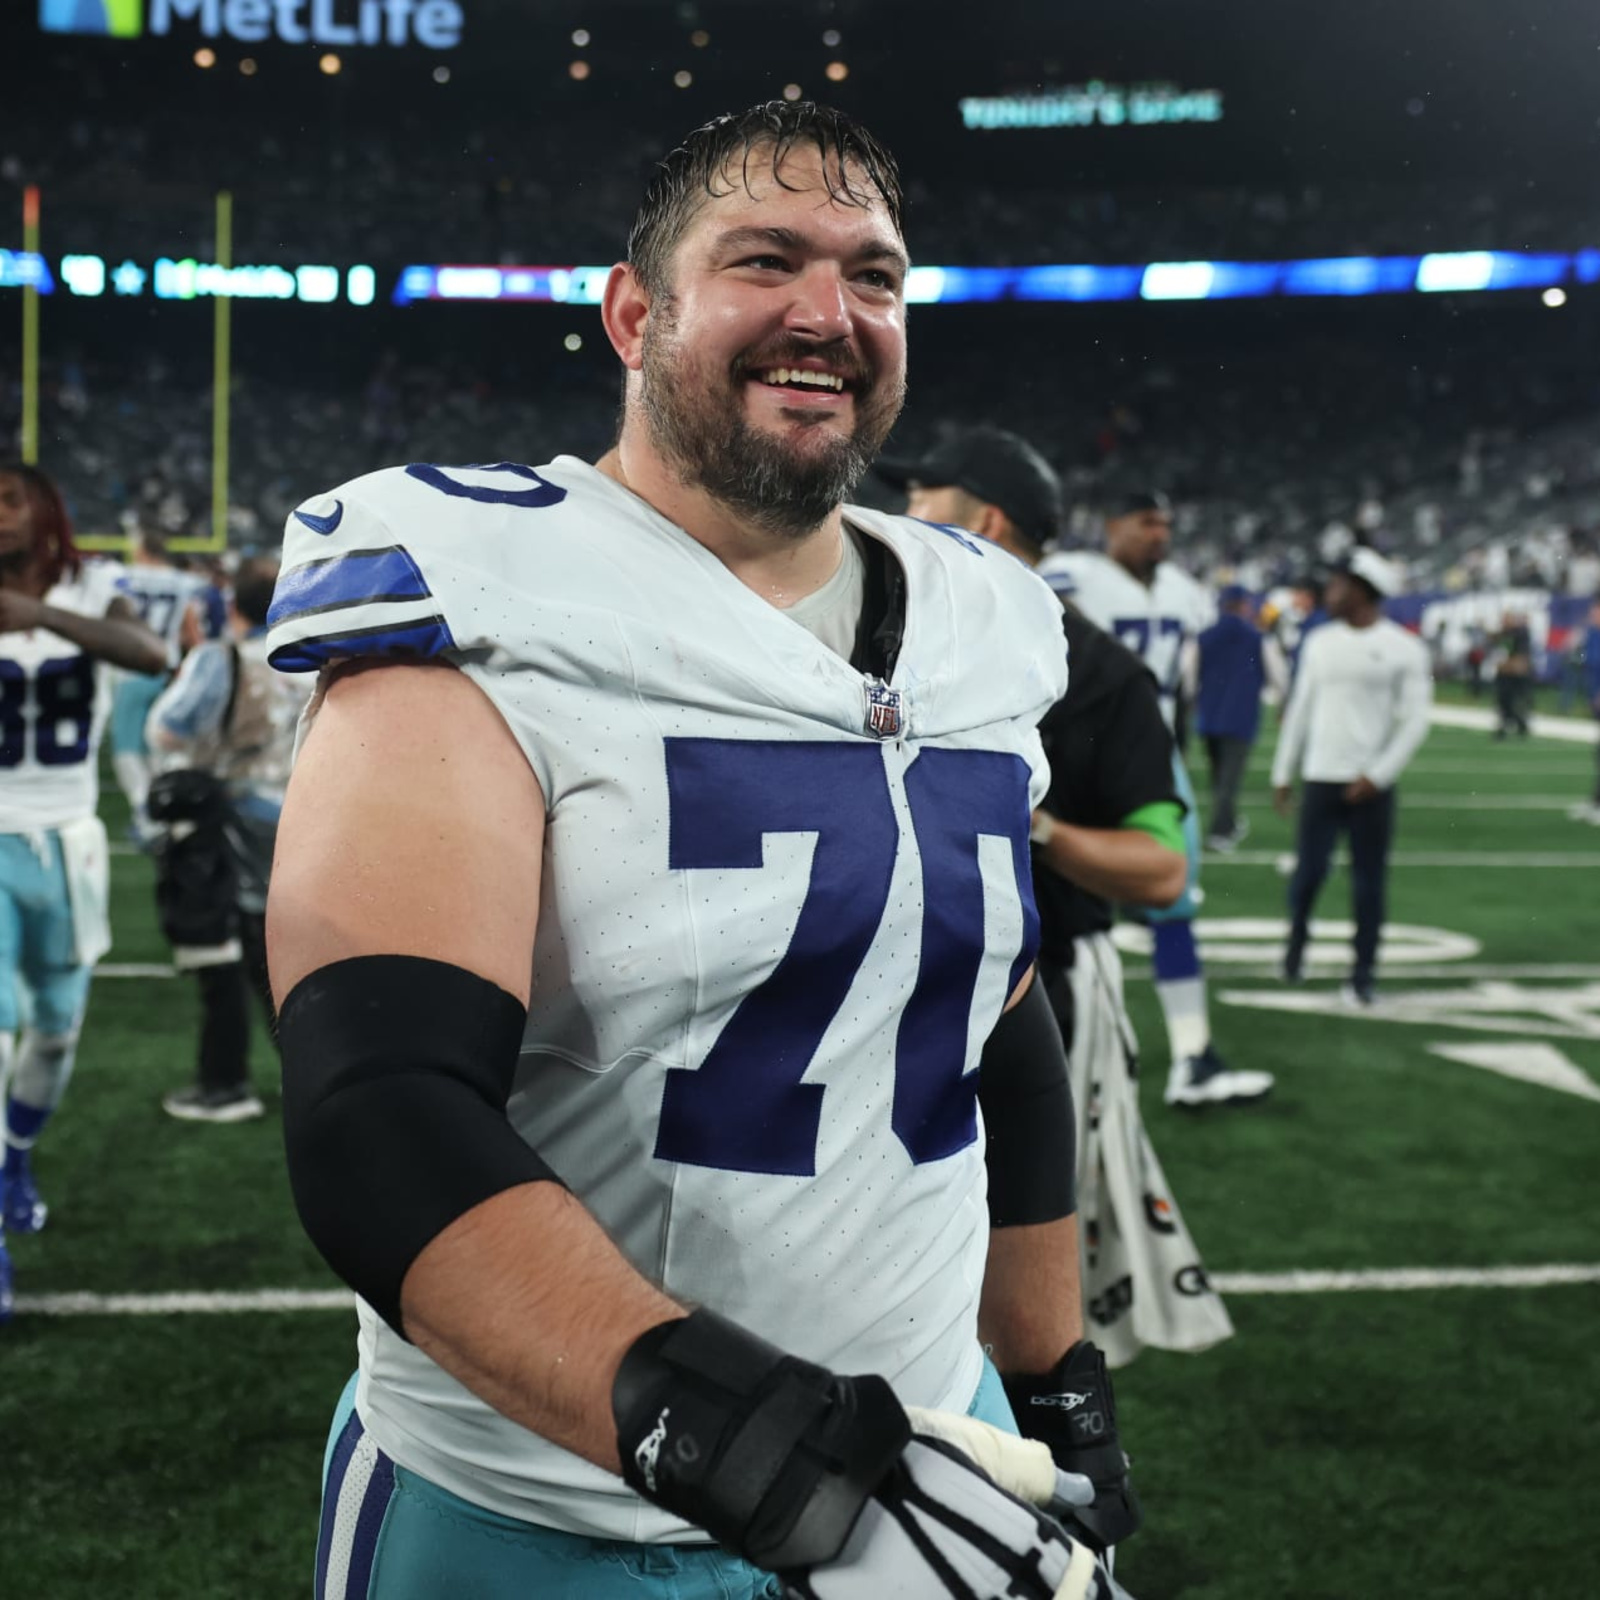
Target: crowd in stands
{"x":410,"y":190}
{"x":1276,"y":459}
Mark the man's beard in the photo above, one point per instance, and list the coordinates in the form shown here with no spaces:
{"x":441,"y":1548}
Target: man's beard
{"x":780,"y":487}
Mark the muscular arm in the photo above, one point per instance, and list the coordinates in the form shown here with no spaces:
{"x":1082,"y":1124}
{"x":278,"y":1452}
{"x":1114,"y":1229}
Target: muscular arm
{"x":118,"y":637}
{"x":414,"y":826}
{"x":1122,"y":864}
{"x":1031,"y":1308}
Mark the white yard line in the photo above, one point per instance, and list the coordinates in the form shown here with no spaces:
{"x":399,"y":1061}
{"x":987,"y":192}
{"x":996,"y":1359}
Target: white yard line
{"x":1403,"y":1278}
{"x":1420,"y":858}
{"x":1335,"y":967}
{"x":270,"y":1301}
{"x":1571,"y":765}
{"x":1478,"y":801}
{"x":1576,"y":730}
{"x":186,"y":1303}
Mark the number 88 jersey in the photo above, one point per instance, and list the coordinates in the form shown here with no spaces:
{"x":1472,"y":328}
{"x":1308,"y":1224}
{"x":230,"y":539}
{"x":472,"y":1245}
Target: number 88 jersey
{"x":782,"y":906}
{"x":54,"y":700}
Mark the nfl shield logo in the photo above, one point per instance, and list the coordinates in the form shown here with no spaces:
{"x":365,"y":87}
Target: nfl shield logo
{"x":884,"y":719}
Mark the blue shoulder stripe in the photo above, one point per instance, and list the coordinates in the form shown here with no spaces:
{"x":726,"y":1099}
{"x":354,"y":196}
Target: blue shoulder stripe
{"x":428,"y":636}
{"x":358,"y":577}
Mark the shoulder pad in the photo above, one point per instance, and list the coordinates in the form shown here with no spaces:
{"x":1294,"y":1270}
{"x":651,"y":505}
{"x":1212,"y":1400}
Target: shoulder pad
{"x":350,"y":586}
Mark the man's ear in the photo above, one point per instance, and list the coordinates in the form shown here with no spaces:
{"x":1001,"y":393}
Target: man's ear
{"x":625,"y":311}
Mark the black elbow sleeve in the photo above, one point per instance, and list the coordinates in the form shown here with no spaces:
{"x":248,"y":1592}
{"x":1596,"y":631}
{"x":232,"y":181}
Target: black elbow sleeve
{"x":1029,"y":1123}
{"x":396,"y":1074}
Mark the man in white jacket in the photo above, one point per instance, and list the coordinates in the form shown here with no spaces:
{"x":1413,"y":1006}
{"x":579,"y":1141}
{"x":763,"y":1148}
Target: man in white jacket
{"x":1358,"y":712}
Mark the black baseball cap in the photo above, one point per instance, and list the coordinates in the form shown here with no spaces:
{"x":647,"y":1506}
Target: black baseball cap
{"x":1138,"y":501}
{"x":996,"y":465}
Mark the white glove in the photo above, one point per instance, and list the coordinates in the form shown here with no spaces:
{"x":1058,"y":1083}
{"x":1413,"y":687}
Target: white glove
{"x":939,"y":1526}
{"x":1022,"y":1467}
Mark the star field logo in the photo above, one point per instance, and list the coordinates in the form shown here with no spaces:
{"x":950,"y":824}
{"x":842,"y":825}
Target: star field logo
{"x":117,"y":19}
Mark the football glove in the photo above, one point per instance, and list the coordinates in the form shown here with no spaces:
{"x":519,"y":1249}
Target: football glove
{"x":937,"y":1526}
{"x":1073,"y":1411}
{"x":822,"y":1480}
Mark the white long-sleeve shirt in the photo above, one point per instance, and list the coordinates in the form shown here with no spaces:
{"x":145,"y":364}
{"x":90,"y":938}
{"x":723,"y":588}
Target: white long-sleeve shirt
{"x":1359,"y":708}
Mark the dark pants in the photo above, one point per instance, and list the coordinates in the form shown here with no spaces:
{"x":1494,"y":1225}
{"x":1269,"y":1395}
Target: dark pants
{"x":1324,"y":815}
{"x":1513,"y":699}
{"x":225,"y":1008}
{"x":1228,"y":759}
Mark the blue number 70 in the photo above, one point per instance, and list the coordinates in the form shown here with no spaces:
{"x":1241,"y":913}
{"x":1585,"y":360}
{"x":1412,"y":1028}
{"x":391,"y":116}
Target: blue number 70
{"x":745,"y":1108}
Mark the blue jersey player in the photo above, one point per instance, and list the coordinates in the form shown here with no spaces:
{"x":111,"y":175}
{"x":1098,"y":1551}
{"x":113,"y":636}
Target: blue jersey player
{"x":61,"y":623}
{"x":651,"y":884}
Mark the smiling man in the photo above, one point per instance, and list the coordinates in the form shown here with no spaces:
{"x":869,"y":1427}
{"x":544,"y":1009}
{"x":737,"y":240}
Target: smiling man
{"x":653,"y":874}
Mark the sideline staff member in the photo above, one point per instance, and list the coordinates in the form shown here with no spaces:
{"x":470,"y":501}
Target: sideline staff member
{"x":1358,"y":712}
{"x":1109,"y":830}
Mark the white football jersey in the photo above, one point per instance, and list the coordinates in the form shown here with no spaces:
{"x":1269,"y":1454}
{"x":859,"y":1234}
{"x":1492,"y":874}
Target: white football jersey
{"x":782,"y":906}
{"x":1155,"y":622}
{"x":161,"y":595}
{"x":54,"y":701}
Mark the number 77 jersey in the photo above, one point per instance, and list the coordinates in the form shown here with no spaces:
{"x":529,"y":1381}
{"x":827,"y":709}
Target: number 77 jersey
{"x":1155,"y":621}
{"x":783,"y":904}
{"x":54,"y":700}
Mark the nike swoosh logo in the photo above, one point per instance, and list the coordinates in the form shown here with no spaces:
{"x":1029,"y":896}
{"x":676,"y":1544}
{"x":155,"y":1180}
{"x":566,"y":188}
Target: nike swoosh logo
{"x":323,"y":525}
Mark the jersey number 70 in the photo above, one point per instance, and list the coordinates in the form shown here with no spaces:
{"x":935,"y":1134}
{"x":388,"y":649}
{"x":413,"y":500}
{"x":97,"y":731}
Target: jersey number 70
{"x":745,"y":1108}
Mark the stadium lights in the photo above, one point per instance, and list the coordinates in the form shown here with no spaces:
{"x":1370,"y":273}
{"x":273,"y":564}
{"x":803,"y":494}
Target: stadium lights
{"x":580,"y":37}
{"x":330,"y":65}
{"x":833,"y":38}
{"x":699,"y":38}
{"x":248,"y":66}
{"x":441,"y":74}
{"x":25,"y":269}
{"x":205,"y":57}
{"x":573,"y":342}
{"x":1347,"y":277}
{"x":791,"y":91}
{"x":578,"y":70}
{"x":836,"y":72}
{"x":1335,"y":276}
{"x":84,"y":275}
{"x":682,"y":79}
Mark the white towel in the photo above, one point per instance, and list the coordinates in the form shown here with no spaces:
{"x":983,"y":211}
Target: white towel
{"x":1143,"y":1281}
{"x":88,"y":867}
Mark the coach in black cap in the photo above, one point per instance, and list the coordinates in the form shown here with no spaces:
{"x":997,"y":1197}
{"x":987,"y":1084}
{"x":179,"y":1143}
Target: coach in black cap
{"x":988,"y":480}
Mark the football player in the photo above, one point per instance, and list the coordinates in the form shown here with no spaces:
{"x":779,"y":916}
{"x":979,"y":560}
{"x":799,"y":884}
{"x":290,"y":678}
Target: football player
{"x":1157,"y":610}
{"x":162,"y":596}
{"x":61,"y":623}
{"x":661,"y":1220}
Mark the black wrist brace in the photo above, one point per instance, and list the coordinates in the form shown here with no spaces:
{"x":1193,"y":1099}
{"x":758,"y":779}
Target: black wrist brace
{"x":1072,"y":1410}
{"x":396,"y":1073}
{"x":774,"y":1457}
{"x":1029,"y":1123}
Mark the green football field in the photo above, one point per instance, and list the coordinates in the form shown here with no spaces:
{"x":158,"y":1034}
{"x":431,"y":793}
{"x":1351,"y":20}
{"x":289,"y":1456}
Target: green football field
{"x":1362,"y":1434}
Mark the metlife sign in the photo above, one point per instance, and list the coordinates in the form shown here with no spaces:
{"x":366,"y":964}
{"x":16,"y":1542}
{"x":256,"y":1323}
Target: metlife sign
{"x":433,"y":24}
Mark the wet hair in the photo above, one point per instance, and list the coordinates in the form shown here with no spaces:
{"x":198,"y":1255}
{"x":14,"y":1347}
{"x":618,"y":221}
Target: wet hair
{"x":53,"y":544}
{"x":253,"y":584}
{"x":715,"y":159}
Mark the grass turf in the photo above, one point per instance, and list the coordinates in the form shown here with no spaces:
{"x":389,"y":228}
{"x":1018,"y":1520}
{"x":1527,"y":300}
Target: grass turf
{"x":1435,"y":1444}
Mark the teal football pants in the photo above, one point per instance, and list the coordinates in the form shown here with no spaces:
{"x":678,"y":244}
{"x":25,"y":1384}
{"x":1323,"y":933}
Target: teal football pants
{"x":388,"y":1534}
{"x":36,"y":938}
{"x":130,"y":708}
